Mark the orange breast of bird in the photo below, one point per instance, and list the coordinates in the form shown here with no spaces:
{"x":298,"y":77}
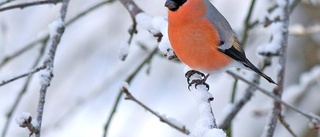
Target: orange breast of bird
{"x":194,"y":38}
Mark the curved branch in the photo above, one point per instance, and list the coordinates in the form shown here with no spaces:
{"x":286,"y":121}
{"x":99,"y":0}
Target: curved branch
{"x":29,"y":4}
{"x":163,"y":119}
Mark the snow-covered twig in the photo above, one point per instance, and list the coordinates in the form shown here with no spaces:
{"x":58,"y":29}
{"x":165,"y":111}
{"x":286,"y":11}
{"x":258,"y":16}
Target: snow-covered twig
{"x":278,"y":45}
{"x":133,"y":10}
{"x":35,"y":70}
{"x":24,"y":120}
{"x":46,"y":37}
{"x":56,"y":32}
{"x":22,"y":92}
{"x":172,"y":123}
{"x":29,"y":4}
{"x":293,"y":5}
{"x":206,"y":125}
{"x":269,"y":94}
{"x":157,"y":26}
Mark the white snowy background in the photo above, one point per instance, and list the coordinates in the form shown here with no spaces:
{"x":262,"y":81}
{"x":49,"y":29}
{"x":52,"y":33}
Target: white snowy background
{"x":88,"y":73}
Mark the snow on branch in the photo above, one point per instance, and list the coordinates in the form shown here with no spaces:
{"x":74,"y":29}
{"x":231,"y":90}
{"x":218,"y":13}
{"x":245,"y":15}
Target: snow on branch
{"x":157,"y":26}
{"x":278,"y":46}
{"x":56,"y":31}
{"x":206,"y":125}
{"x":310,"y":116}
{"x":170,"y":121}
{"x":24,"y":120}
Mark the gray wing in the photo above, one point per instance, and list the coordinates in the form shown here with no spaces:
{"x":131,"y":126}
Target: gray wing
{"x":221,"y":24}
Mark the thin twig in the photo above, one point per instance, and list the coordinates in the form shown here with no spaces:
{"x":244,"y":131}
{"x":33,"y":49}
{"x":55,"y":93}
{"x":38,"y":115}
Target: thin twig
{"x":5,"y":2}
{"x":286,"y":125}
{"x":128,"y":80}
{"x":22,"y":50}
{"x":292,"y":7}
{"x":22,"y":92}
{"x":269,"y":94}
{"x":46,"y":77}
{"x":29,"y":4}
{"x":46,"y":37}
{"x":247,"y":24}
{"x":133,"y":10}
{"x":162,"y":119}
{"x":29,"y":73}
{"x":226,"y":122}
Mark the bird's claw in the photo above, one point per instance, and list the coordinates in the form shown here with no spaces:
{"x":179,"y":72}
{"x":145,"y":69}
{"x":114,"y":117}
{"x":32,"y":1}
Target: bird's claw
{"x":191,"y":73}
{"x":199,"y":79}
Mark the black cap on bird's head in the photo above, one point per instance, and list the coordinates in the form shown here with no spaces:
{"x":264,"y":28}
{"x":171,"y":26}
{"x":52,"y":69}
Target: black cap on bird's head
{"x":174,"y":5}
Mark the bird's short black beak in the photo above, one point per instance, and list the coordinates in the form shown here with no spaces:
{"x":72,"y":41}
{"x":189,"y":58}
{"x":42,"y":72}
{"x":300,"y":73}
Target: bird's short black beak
{"x":171,"y":5}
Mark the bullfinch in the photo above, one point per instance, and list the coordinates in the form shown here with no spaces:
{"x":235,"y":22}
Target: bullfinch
{"x":203,"y":39}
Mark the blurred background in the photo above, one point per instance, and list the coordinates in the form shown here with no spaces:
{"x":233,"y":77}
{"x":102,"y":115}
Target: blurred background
{"x":88,"y":73}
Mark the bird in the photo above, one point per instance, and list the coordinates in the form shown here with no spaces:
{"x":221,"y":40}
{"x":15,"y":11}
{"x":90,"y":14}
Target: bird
{"x":203,"y":39}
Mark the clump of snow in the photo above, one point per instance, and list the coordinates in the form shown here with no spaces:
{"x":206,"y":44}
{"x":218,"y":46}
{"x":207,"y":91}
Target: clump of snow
{"x":45,"y":77}
{"x":123,"y":50}
{"x":153,"y":24}
{"x":277,"y":36}
{"x":156,"y":25}
{"x":23,"y":119}
{"x":53,"y":27}
{"x":215,"y":132}
{"x":125,"y":85}
{"x":206,"y":119}
{"x":172,"y":120}
{"x":277,"y":29}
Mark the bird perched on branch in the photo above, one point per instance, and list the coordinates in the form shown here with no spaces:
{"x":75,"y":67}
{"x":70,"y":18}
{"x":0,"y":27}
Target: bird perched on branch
{"x":203,"y":39}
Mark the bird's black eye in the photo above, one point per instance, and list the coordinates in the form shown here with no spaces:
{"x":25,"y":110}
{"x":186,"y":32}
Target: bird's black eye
{"x":174,"y":5}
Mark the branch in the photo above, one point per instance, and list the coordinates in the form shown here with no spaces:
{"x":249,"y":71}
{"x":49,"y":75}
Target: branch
{"x":22,"y":92}
{"x":206,"y":125}
{"x":128,"y":80}
{"x":57,"y":30}
{"x":163,"y":119}
{"x":247,"y":24}
{"x":284,"y":13}
{"x":25,"y":121}
{"x":269,"y":94}
{"x":35,"y":70}
{"x":133,"y":10}
{"x":29,"y":4}
{"x":5,"y":2}
{"x":271,"y":9}
{"x":226,"y":122}
{"x":46,"y":37}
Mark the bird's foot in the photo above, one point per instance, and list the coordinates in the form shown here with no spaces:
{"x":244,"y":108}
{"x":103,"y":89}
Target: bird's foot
{"x":197,"y":78}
